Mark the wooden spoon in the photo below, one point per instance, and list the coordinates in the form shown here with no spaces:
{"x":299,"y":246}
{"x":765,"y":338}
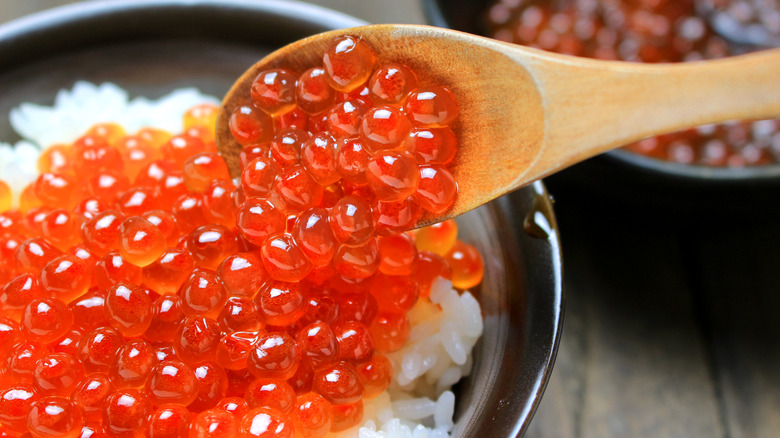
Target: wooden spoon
{"x":527,"y":113}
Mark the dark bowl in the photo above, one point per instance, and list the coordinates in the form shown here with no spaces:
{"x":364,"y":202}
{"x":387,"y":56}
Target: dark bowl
{"x":624,"y":184}
{"x":151,"y":47}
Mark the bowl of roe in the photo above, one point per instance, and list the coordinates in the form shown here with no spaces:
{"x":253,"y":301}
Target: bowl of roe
{"x":150,"y":48}
{"x":734,"y":166}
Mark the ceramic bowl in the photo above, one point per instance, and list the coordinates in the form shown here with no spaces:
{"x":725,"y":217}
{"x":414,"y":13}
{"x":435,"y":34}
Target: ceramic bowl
{"x":152,"y":47}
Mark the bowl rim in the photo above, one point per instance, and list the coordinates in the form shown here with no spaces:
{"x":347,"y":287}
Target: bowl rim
{"x":697,"y":172}
{"x":94,"y":8}
{"x":553,"y":241}
{"x":30,"y":29}
{"x":654,"y":166}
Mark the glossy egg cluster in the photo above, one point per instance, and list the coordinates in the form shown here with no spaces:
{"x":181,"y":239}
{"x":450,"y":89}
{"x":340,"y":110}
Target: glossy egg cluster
{"x":657,"y":31}
{"x":366,"y":135}
{"x":143,"y":292}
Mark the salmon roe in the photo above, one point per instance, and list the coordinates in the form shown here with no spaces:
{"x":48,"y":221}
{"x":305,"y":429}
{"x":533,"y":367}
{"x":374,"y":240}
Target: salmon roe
{"x":162,"y":298}
{"x":658,"y":32}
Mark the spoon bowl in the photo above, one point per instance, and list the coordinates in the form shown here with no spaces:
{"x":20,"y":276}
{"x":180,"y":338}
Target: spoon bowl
{"x":526,"y":113}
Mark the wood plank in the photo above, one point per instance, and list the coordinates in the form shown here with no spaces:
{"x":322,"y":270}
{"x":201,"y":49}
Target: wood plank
{"x":632,"y":361}
{"x":10,"y":9}
{"x":560,"y":411}
{"x":646,"y":368}
{"x":739,"y":271}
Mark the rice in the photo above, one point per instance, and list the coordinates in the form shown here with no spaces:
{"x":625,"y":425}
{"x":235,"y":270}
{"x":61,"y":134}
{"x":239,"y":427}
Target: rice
{"x":18,"y":165}
{"x":419,"y":402}
{"x":444,"y":327}
{"x":75,"y":111}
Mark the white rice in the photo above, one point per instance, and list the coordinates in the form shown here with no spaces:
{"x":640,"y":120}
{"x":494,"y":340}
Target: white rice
{"x":444,"y":328}
{"x":18,"y":165}
{"x":75,"y":111}
{"x":419,"y":402}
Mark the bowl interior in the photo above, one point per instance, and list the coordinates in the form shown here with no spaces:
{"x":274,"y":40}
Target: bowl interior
{"x":150,"y":48}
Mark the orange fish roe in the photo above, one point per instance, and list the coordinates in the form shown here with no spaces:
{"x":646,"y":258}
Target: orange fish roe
{"x":657,"y":32}
{"x":145,"y":293}
{"x":6,"y":198}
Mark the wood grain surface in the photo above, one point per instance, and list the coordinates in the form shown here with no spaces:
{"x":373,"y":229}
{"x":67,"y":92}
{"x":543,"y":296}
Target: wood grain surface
{"x":671,"y":326}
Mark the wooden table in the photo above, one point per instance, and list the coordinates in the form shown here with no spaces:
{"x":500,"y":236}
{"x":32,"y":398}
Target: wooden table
{"x":671,"y":326}
{"x":670,"y":331}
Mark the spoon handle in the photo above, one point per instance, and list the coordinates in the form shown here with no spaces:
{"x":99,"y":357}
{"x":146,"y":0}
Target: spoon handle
{"x":594,"y":106}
